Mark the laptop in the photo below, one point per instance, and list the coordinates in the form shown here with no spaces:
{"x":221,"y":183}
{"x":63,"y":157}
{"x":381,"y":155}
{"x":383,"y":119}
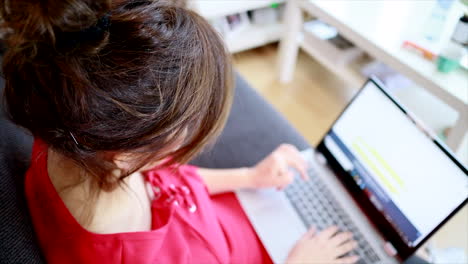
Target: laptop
{"x":378,"y":172}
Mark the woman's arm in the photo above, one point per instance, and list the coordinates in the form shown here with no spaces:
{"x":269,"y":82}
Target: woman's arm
{"x":225,"y":180}
{"x":273,"y":171}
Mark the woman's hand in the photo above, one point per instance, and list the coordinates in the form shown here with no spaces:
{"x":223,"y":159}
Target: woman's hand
{"x":274,"y":170}
{"x":325,"y":247}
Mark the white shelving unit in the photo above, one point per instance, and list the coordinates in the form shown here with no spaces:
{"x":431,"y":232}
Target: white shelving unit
{"x":334,"y":59}
{"x":252,"y":36}
{"x":211,"y":9}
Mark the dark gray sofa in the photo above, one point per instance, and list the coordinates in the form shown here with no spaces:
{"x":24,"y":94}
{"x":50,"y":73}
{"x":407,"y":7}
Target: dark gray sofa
{"x":253,"y":130}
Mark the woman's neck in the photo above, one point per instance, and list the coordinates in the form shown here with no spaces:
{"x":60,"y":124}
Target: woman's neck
{"x":64,"y":173}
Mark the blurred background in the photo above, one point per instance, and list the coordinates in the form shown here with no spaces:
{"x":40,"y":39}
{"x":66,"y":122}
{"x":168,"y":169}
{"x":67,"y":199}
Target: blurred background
{"x":310,"y":61}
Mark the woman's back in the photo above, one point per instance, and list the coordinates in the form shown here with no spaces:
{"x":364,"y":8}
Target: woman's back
{"x":124,"y":209}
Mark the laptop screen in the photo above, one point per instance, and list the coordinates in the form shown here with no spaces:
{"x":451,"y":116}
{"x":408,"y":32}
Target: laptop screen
{"x":404,"y":172}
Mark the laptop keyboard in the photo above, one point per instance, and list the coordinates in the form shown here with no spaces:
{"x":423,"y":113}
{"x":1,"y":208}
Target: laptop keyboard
{"x":317,"y":207}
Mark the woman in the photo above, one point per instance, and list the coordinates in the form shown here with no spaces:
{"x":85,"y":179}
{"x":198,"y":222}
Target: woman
{"x":119,"y":95}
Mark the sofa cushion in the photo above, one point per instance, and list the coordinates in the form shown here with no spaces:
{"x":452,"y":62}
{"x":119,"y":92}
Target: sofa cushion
{"x":17,"y":242}
{"x":253,"y":130}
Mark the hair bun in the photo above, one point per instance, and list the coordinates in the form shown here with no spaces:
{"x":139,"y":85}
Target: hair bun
{"x":69,"y":40}
{"x":56,"y":25}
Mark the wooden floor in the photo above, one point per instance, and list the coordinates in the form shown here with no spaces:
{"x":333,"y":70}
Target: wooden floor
{"x":311,"y":102}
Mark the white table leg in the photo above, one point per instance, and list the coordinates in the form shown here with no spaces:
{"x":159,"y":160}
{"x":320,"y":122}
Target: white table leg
{"x":458,"y":131}
{"x":289,"y":44}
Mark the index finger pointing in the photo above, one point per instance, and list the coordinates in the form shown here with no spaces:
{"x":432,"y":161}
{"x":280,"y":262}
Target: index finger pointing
{"x":295,"y":160}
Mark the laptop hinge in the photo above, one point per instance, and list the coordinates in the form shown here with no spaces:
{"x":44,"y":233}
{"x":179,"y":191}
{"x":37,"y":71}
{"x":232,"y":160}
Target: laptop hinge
{"x":390,"y":249}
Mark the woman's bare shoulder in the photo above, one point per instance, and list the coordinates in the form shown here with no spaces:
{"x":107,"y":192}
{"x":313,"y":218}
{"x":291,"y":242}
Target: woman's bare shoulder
{"x":124,"y":209}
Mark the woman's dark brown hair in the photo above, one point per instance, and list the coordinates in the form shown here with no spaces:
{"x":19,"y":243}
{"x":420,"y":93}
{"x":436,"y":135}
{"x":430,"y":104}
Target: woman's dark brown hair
{"x":98,"y":77}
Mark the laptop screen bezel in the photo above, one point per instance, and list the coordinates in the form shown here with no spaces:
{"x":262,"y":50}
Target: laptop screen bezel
{"x":387,"y":230}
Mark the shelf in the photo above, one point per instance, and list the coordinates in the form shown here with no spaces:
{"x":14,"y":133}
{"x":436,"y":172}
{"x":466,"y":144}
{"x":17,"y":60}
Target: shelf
{"x":211,"y":9}
{"x":332,"y":58}
{"x":253,"y":36}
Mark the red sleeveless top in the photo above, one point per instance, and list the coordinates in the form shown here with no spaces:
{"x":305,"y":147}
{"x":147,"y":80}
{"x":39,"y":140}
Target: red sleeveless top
{"x":188,"y":225}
